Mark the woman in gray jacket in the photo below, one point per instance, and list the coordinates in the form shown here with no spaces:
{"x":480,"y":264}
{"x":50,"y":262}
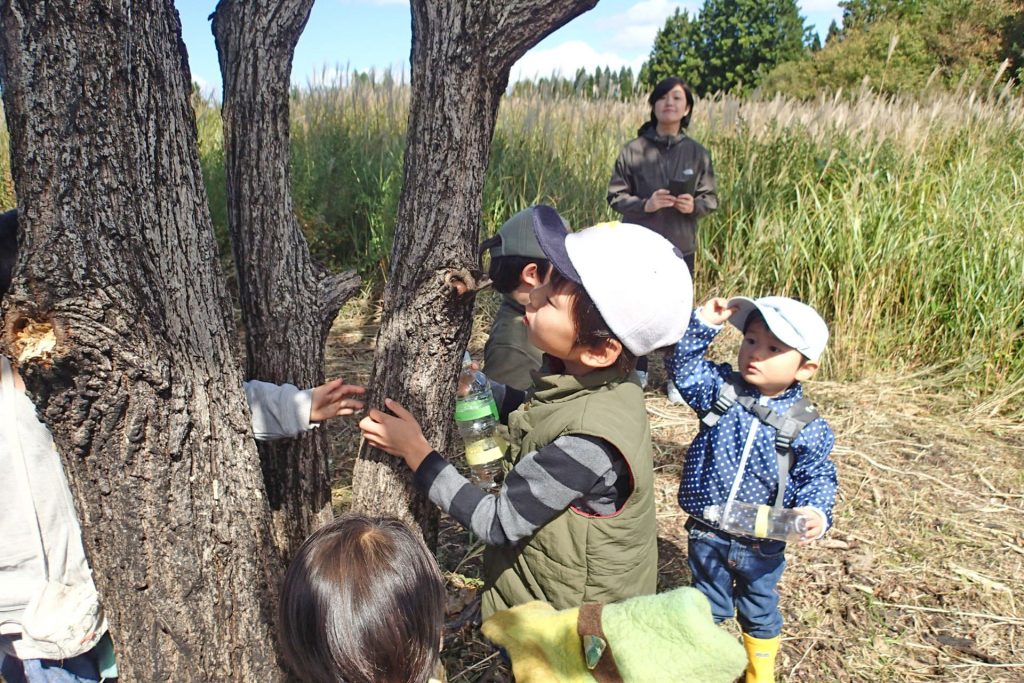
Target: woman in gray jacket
{"x":663,"y":179}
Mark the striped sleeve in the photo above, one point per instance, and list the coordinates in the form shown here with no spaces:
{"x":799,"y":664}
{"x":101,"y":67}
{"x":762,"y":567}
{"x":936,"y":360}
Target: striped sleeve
{"x":540,"y":486}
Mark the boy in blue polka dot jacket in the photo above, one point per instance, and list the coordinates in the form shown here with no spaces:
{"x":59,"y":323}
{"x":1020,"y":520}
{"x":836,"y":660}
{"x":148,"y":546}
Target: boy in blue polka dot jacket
{"x":736,"y":458}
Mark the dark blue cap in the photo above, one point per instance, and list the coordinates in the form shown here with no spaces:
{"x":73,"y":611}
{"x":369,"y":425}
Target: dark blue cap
{"x":549,"y":228}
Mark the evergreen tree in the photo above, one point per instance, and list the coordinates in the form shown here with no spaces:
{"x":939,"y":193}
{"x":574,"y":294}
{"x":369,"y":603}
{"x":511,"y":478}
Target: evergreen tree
{"x":731,"y":44}
{"x":674,"y":52}
{"x":834,"y":33}
{"x":742,"y":40}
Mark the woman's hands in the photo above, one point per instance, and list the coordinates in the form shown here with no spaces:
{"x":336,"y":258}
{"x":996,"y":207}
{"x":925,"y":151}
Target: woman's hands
{"x":684,"y":203}
{"x":399,"y":434}
{"x":662,"y":199}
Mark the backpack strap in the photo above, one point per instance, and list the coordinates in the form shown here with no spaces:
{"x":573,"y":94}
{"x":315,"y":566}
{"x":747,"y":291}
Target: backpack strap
{"x":793,"y":421}
{"x":787,"y":426}
{"x":728,"y":395}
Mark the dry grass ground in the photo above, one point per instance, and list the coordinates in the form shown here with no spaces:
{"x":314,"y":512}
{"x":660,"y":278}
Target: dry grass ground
{"x":921,"y":577}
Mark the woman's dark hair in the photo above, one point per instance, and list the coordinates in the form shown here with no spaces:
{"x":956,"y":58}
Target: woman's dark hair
{"x":505,"y":271}
{"x":8,"y":247}
{"x":362,"y":602}
{"x":660,"y":90}
{"x":591,"y":329}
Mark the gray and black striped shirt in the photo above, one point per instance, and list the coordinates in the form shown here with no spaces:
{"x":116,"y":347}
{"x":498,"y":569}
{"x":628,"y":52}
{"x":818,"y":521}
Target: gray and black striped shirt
{"x":583,"y":472}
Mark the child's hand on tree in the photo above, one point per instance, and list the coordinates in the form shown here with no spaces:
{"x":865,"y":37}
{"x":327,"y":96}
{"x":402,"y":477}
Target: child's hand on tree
{"x":716,"y":311}
{"x":815,"y":524}
{"x":397,"y":434}
{"x":331,"y":399}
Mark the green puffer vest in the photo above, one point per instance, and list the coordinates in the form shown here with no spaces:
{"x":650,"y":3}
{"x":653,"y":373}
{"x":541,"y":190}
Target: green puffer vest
{"x":576,"y":557}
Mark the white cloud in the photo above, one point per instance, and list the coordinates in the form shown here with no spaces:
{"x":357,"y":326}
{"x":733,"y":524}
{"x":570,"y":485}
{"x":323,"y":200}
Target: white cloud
{"x":636,"y":28}
{"x":566,"y":59}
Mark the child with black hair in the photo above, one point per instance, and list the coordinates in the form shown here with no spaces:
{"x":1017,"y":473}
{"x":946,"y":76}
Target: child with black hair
{"x":574,"y":519}
{"x":362,"y":602}
{"x":517,"y":266}
{"x":760,"y":442}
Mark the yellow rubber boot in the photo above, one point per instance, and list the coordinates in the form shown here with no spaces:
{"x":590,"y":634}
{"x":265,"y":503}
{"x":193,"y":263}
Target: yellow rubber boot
{"x":761,"y":658}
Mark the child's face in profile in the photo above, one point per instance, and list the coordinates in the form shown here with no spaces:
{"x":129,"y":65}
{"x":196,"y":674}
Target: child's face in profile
{"x":768,"y":364}
{"x":549,"y":321}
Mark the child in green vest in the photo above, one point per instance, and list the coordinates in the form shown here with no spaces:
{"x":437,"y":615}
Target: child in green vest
{"x":574,"y":519}
{"x":517,"y":266}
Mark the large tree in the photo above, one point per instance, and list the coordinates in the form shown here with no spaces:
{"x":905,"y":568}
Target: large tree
{"x":288,"y":300}
{"x":731,"y":44}
{"x":461,"y":57}
{"x":142,"y":390}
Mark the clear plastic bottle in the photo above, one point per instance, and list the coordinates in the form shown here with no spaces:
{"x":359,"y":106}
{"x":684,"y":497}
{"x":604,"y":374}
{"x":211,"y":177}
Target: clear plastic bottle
{"x":759,"y":521}
{"x":476,"y":416}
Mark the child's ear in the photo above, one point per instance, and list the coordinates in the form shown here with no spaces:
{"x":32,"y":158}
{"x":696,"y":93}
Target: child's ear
{"x":806,"y":371}
{"x":530,"y":276}
{"x":602,"y":355}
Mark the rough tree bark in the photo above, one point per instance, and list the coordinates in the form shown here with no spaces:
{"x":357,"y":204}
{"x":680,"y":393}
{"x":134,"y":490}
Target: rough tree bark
{"x":142,"y":391}
{"x":288,"y":301}
{"x":461,"y":56}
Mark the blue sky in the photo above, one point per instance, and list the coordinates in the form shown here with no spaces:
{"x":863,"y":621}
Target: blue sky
{"x":360,"y":35}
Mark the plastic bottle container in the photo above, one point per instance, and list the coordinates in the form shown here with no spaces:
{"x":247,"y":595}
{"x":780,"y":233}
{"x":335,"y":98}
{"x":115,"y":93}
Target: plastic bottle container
{"x":759,"y":521}
{"x":476,"y":416}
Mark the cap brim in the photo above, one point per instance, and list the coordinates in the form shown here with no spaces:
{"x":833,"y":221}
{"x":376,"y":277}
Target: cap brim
{"x":744,"y":307}
{"x":775,"y":323}
{"x":550,"y":232}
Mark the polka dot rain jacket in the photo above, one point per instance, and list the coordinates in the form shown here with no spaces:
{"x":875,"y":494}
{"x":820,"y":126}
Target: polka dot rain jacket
{"x":713,"y":461}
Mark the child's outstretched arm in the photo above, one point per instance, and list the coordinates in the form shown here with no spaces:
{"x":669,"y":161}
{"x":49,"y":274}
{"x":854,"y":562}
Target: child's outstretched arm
{"x":333,"y":399}
{"x":399,"y":434}
{"x":281,"y":411}
{"x":541,"y":485}
{"x":696,"y":378}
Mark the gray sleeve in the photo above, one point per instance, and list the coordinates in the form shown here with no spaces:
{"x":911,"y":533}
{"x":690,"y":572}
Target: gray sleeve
{"x":705,"y":198}
{"x":622,"y":189}
{"x":278,"y":410}
{"x":541,"y":485}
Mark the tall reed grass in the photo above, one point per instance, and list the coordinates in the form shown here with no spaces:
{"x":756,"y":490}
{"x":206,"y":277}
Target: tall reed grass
{"x":902,"y":221}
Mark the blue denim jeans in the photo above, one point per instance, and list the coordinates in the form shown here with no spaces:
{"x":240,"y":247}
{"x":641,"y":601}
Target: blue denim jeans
{"x":738,"y":576}
{"x":85,"y":668}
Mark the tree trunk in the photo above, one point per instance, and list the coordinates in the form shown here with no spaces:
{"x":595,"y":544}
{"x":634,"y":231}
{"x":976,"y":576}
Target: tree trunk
{"x":142,"y":391}
{"x":288,"y":301}
{"x":461,"y":56}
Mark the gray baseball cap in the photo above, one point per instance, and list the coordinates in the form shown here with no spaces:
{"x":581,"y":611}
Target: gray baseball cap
{"x":517,"y":236}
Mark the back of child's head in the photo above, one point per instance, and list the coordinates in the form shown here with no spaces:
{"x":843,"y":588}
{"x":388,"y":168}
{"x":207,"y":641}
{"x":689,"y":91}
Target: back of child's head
{"x":513,"y":248}
{"x":506,"y":271}
{"x":8,"y":247}
{"x":633,"y":280}
{"x":362,"y":602}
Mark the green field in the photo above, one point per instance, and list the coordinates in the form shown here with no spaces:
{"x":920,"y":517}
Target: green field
{"x":902,"y":221}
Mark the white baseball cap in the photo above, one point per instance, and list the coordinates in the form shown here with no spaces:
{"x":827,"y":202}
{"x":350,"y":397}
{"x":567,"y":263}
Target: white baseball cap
{"x":637,"y":279}
{"x":795,"y":323}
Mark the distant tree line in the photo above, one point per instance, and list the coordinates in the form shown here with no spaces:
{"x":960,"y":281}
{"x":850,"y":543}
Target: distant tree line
{"x":891,"y":45}
{"x":601,"y":84}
